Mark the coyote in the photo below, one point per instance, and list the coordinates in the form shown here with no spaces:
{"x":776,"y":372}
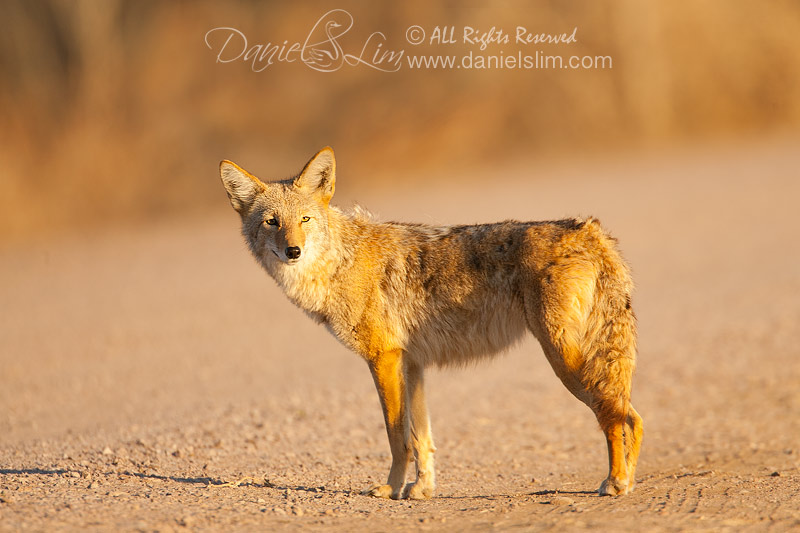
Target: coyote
{"x":408,"y":296}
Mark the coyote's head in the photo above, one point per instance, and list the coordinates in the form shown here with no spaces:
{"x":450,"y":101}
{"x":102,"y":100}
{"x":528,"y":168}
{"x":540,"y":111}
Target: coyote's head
{"x":286,"y":220}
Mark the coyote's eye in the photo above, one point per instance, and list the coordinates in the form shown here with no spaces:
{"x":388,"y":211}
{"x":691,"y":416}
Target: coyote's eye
{"x":272,"y":221}
{"x":305,"y":219}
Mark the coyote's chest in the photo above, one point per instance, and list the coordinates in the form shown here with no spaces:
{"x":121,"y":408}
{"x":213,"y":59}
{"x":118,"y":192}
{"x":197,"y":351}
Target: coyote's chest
{"x":306,"y":285}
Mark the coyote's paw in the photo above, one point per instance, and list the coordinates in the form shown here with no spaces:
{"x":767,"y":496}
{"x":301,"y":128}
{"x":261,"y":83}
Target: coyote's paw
{"x":614,"y":487}
{"x":381,"y":491}
{"x":416,"y":491}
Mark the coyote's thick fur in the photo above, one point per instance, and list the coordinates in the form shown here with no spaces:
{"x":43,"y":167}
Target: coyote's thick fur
{"x":407,"y":296}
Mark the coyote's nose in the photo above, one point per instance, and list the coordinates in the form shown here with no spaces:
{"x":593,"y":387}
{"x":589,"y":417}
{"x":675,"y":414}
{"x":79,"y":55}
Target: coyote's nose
{"x":293,"y":252}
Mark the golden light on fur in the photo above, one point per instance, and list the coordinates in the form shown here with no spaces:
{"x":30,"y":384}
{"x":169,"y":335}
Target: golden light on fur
{"x":408,"y":296}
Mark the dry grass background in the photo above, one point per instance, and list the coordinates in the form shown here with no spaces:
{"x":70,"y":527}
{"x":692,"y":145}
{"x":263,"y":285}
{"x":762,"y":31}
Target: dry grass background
{"x":116,"y":111}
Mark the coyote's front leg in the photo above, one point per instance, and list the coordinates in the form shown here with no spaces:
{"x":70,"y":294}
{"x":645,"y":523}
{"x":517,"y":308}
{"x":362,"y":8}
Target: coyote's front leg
{"x":387,"y":371}
{"x":419,"y":435}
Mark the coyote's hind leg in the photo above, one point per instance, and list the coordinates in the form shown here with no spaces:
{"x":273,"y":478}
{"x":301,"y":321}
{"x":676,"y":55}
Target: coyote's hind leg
{"x":634,"y":429}
{"x":613,"y":424}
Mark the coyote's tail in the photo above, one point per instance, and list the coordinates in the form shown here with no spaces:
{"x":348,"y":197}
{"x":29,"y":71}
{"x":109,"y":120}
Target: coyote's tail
{"x":609,"y":341}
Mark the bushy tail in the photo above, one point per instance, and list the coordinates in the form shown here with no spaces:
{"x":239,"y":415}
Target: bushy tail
{"x":609,"y":342}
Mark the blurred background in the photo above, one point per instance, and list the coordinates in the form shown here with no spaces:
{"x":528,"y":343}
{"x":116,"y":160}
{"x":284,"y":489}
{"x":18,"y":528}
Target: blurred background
{"x":116,"y":111}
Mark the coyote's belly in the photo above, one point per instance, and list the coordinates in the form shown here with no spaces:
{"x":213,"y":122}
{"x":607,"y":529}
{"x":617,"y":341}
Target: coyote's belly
{"x":458,"y":335}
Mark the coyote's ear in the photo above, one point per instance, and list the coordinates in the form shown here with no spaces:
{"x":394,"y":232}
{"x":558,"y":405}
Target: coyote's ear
{"x":241,"y":186}
{"x":319,"y":175}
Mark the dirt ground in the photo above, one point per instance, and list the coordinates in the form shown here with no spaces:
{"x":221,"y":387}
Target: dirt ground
{"x":153,"y":378}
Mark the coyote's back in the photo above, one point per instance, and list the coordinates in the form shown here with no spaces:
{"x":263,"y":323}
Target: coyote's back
{"x":407,"y":296}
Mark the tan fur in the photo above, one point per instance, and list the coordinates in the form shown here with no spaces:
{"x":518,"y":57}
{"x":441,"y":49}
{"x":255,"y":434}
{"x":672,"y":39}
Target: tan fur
{"x":408,"y":296}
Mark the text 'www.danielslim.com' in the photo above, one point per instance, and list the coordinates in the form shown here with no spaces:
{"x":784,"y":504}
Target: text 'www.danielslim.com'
{"x":519,"y":61}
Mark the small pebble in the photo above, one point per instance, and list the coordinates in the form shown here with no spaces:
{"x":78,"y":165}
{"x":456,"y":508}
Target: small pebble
{"x":561,"y":500}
